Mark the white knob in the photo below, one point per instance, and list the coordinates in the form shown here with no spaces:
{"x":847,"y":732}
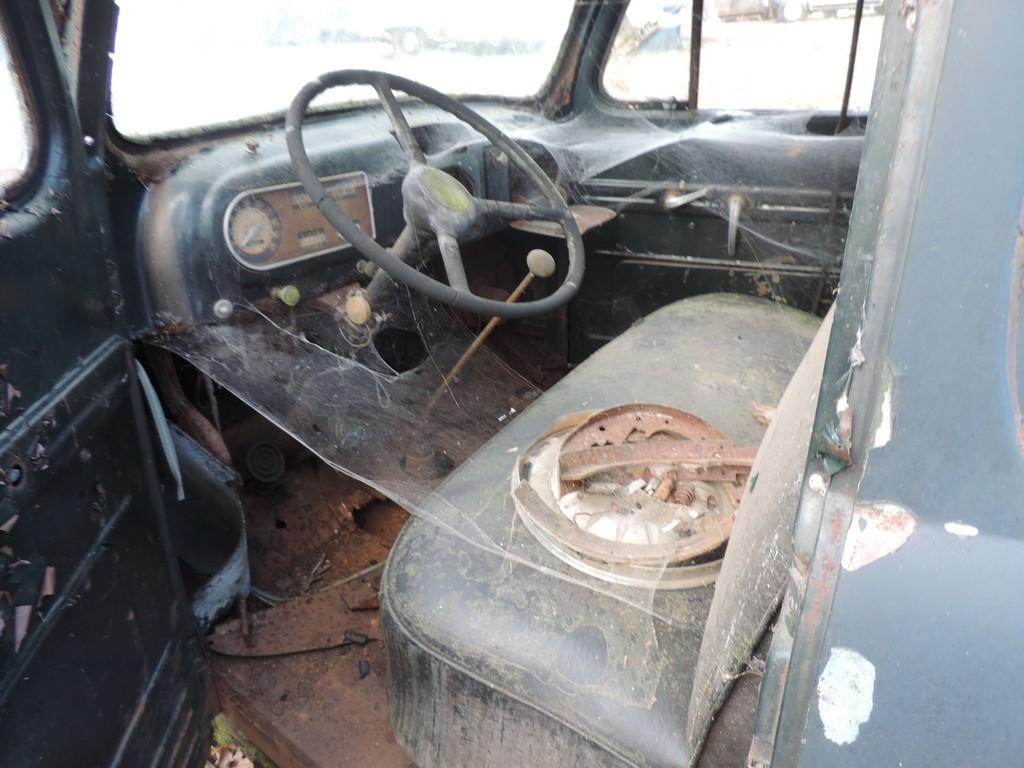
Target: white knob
{"x":357,"y":309}
{"x":541,"y":263}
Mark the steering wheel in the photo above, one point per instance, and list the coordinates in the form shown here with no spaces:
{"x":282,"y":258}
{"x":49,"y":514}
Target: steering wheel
{"x":435,"y":205}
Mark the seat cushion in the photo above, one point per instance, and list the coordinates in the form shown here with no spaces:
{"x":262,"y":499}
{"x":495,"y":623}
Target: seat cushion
{"x":499,"y":653}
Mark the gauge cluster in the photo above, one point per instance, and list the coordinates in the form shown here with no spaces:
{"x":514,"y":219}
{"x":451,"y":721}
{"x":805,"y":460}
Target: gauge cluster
{"x":273,"y":226}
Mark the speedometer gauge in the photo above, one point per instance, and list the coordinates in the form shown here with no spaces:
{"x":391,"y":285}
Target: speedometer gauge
{"x":271,"y":227}
{"x":254,"y":230}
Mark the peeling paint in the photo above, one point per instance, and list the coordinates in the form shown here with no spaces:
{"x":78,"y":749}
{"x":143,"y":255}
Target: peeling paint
{"x":877,"y":530}
{"x":961,"y":530}
{"x":846,"y":694}
{"x":884,"y":431}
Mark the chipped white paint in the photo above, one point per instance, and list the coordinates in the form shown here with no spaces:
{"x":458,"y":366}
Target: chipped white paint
{"x":884,"y":432}
{"x":856,"y":356}
{"x":818,"y":483}
{"x":846,"y":694}
{"x":842,"y":404}
{"x":961,"y":530}
{"x":877,"y":530}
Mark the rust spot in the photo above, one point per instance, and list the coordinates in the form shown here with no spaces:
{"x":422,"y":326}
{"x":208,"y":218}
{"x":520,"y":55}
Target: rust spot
{"x":559,"y":91}
{"x":1013,"y":334}
{"x":876,"y":530}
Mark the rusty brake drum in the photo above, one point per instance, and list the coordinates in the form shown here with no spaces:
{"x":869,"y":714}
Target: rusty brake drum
{"x":641,"y":495}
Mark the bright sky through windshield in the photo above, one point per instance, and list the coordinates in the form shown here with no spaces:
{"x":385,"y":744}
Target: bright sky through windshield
{"x":185,"y":64}
{"x":15,"y":140}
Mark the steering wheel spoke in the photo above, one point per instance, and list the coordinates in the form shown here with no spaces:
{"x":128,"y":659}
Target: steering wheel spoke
{"x":506,"y":212}
{"x":451,"y":255}
{"x":397,"y":117}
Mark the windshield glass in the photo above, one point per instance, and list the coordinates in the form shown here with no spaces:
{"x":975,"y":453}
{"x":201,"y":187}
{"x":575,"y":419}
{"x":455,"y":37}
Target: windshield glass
{"x":180,"y":65}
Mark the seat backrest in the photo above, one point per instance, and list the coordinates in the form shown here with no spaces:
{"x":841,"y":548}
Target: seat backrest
{"x":754,"y":571}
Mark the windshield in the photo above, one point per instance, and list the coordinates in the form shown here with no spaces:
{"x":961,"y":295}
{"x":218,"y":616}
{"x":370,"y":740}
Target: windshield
{"x":181,"y":65}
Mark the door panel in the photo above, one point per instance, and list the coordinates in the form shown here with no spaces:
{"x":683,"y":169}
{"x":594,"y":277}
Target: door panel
{"x":99,"y":660}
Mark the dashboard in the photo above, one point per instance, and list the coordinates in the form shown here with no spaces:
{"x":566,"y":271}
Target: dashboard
{"x":230,"y":223}
{"x":270,"y":227}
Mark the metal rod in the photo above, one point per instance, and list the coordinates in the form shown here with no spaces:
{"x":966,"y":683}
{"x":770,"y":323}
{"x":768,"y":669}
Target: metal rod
{"x":359,"y":574}
{"x":842,"y":122}
{"x":696,"y":25}
{"x":181,"y":409}
{"x":477,"y":343}
{"x":243,"y":620}
{"x":211,"y":394}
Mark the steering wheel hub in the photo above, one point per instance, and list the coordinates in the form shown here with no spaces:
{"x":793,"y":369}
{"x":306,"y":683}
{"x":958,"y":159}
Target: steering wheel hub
{"x":444,"y":189}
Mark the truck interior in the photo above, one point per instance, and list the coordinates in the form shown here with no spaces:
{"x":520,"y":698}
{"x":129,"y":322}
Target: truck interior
{"x":410,"y":395}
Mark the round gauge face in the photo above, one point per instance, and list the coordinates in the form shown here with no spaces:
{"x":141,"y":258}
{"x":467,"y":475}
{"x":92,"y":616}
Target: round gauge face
{"x":254,"y":230}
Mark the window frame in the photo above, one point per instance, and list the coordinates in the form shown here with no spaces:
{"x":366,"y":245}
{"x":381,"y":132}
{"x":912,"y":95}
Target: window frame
{"x":690,"y":104}
{"x":10,"y":191}
{"x":668,"y":106}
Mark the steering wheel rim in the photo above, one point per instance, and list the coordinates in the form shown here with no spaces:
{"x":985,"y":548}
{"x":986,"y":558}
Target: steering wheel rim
{"x":457,"y":296}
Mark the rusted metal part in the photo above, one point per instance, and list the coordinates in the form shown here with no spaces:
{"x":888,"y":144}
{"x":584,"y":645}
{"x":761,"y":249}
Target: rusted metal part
{"x":666,"y":487}
{"x":476,"y":344}
{"x":557,"y":91}
{"x":685,"y":494}
{"x":877,"y":530}
{"x":169,"y":329}
{"x":244,"y":627}
{"x":180,"y":409}
{"x":587,"y":217}
{"x":1013,"y":340}
{"x":361,"y":595}
{"x":322,"y":619}
{"x":713,"y":460}
{"x":623,"y":422}
{"x":157,"y":160}
{"x":634,"y":435}
{"x":635,"y":494}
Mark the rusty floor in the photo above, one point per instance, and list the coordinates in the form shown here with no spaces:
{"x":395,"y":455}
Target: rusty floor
{"x":319,"y":708}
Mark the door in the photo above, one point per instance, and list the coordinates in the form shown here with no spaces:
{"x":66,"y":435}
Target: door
{"x":99,"y":661}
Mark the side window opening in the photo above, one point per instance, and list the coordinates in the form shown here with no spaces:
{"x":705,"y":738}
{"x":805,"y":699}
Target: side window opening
{"x":18,"y":139}
{"x":755,"y":54}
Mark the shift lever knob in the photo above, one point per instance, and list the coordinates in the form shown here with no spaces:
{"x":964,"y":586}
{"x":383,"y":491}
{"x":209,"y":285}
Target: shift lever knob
{"x":540,"y":262}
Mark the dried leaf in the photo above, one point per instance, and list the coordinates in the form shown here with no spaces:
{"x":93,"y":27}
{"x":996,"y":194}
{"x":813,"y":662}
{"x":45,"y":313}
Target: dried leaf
{"x":763,"y":414}
{"x":229,"y":757}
